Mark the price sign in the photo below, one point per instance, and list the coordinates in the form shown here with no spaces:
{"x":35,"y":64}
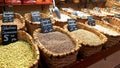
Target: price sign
{"x":35,"y":16}
{"x":91,"y":21}
{"x":8,"y":17}
{"x":97,"y":9}
{"x":9,"y":34}
{"x":46,"y":25}
{"x":117,"y":15}
{"x":72,"y":25}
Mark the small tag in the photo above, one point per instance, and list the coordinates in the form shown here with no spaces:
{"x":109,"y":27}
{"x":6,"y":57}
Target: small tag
{"x":9,"y":34}
{"x":46,"y":25}
{"x":87,"y":10}
{"x":91,"y":21}
{"x":35,"y":16}
{"x":117,"y":15}
{"x":72,"y":24}
{"x":8,"y":17}
{"x":97,"y":9}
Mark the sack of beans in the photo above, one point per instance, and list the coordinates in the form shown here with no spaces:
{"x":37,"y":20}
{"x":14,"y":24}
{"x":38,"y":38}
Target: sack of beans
{"x":18,"y":20}
{"x":91,"y":39}
{"x":58,"y":48}
{"x":23,"y":53}
{"x":31,"y":26}
{"x":112,"y":21}
{"x":63,"y":20}
{"x":111,"y":32}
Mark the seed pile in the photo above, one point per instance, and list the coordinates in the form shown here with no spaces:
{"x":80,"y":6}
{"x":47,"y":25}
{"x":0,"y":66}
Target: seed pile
{"x":16,"y":55}
{"x":86,"y":37}
{"x":106,"y":30}
{"x":56,"y":42}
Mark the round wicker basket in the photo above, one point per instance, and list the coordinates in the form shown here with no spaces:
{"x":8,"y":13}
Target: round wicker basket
{"x":90,"y":49}
{"x":112,"y":39}
{"x":22,"y":35}
{"x":57,"y":60}
{"x":18,"y":20}
{"x":112,"y":21}
{"x":31,"y":26}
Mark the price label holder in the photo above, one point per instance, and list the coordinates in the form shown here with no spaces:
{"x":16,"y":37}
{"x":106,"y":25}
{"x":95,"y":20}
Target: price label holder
{"x":117,"y":15}
{"x":87,"y":10}
{"x":35,"y":16}
{"x":9,"y":34}
{"x":91,"y":21}
{"x":72,"y":25}
{"x":46,"y":25}
{"x":97,"y":9}
{"x":8,"y":17}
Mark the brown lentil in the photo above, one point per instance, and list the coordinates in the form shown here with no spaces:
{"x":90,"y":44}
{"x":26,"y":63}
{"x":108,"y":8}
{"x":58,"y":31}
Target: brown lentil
{"x":56,"y":42}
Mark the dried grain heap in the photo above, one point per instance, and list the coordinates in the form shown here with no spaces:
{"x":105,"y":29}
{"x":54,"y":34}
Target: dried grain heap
{"x":16,"y":55}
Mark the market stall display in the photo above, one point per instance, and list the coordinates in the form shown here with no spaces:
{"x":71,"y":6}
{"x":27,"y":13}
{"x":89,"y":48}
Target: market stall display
{"x":111,"y":32}
{"x":58,"y":48}
{"x":92,"y":40}
{"x":20,"y":54}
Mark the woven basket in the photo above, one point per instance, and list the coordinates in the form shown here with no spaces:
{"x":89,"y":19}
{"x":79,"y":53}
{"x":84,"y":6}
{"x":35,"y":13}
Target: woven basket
{"x":115,"y":3}
{"x":90,"y":49}
{"x":32,"y":26}
{"x":112,"y":39}
{"x":22,"y":35}
{"x":62,"y":23}
{"x":57,"y":60}
{"x":112,"y":20}
{"x":110,"y":14}
{"x":18,"y":20}
{"x":109,"y":3}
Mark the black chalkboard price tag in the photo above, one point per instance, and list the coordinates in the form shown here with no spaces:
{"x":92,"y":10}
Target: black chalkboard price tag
{"x":72,"y":24}
{"x":91,"y":21}
{"x":8,"y":17}
{"x":9,"y":34}
{"x":117,"y":15}
{"x":46,"y":25}
{"x":35,"y":16}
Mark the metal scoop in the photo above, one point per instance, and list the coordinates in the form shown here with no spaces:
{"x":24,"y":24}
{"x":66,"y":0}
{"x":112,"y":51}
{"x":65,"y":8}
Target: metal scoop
{"x":55,"y":9}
